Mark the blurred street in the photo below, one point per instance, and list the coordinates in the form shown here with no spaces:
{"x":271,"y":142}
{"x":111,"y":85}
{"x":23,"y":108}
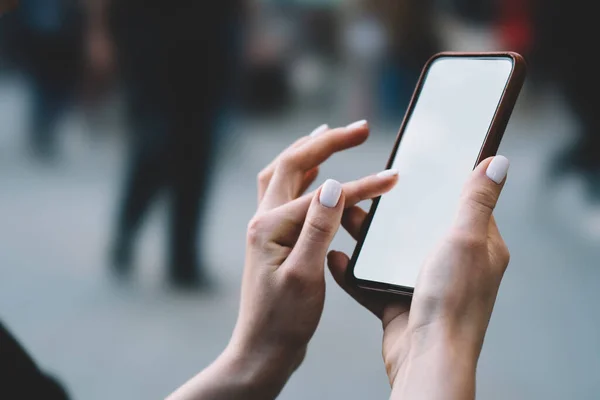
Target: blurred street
{"x":109,"y":339}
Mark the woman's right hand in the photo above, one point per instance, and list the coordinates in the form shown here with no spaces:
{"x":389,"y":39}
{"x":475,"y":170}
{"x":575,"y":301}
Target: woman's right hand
{"x":283,"y":285}
{"x":431,"y":344}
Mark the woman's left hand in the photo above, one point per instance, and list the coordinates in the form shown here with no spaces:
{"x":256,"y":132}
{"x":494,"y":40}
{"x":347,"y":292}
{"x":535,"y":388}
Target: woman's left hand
{"x":283,"y":288}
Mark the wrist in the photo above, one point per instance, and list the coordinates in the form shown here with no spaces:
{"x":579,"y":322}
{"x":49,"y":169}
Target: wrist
{"x":261,"y":373}
{"x":450,"y":340}
{"x":236,"y":374}
{"x":440,"y":361}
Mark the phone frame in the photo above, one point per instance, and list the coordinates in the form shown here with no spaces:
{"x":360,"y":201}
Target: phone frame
{"x":489,"y":147}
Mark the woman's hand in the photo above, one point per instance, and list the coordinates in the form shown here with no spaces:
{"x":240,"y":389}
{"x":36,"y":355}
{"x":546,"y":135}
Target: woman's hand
{"x":431,"y":345}
{"x":283,"y":287}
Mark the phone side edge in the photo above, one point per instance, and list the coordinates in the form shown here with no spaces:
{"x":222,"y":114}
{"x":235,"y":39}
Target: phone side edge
{"x":506,"y":106}
{"x":351,"y":279}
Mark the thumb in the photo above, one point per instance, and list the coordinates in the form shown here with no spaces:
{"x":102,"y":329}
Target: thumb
{"x":481,"y":193}
{"x":320,"y":226}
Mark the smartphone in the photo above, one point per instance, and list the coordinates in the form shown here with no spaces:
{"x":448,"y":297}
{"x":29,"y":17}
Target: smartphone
{"x":456,"y":119}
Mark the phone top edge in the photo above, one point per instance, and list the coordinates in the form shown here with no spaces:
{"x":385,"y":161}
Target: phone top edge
{"x":477,"y":54}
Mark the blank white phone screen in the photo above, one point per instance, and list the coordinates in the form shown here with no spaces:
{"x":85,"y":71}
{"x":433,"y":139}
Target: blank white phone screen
{"x":437,"y":152}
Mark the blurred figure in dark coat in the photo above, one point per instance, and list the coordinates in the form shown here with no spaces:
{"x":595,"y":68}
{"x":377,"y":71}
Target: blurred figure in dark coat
{"x":176,"y":61}
{"x":412,"y":39}
{"x":565,"y":33}
{"x":45,"y":44}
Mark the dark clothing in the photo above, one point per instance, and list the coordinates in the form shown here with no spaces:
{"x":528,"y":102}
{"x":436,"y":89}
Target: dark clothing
{"x":46,"y":45}
{"x":565,"y":33}
{"x":20,"y":378}
{"x":176,"y":64}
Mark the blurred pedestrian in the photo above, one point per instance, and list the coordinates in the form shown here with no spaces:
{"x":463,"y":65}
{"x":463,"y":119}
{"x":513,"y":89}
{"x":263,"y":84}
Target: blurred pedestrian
{"x":412,"y":38}
{"x":175,"y":61}
{"x":46,"y":46}
{"x":563,"y":52}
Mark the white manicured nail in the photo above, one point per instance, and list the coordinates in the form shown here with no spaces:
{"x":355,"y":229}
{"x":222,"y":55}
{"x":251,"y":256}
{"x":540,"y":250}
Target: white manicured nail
{"x":387,"y":173}
{"x":319,"y":130}
{"x":357,"y":124}
{"x":330,"y":193}
{"x":498,"y":169}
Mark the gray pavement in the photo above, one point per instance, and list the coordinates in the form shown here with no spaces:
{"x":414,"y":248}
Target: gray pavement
{"x":112,"y":340}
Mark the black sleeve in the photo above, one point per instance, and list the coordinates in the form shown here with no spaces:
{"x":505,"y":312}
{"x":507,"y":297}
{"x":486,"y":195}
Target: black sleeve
{"x":20,"y":378}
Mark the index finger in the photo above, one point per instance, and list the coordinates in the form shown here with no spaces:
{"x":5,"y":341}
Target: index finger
{"x":292,"y":166}
{"x":366,"y":188}
{"x":316,"y":151}
{"x":264,"y":176}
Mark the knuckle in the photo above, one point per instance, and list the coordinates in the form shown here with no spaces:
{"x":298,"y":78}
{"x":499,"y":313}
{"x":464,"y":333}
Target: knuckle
{"x":319,"y":228}
{"x":294,"y":276}
{"x":290,"y":160}
{"x":467,"y":241}
{"x":263,"y":177}
{"x":503,"y":254}
{"x":298,"y":278}
{"x":256,"y":229}
{"x":483,"y":198}
{"x":390,"y":365}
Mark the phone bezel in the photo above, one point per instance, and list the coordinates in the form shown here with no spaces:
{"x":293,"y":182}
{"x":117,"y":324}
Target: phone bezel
{"x":489,"y":147}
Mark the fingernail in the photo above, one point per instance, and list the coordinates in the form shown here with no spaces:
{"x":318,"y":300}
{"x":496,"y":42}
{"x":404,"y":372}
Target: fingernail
{"x":388,"y":173}
{"x":319,"y":130}
{"x":357,"y":124}
{"x":498,"y":169}
{"x":330,"y":193}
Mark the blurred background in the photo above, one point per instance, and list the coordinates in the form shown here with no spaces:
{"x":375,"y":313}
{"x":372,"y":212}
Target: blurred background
{"x":131,"y":135}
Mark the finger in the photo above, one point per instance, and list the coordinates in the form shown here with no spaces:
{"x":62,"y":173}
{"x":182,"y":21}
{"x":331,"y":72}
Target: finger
{"x":370,"y":187}
{"x":293,"y":164}
{"x":264,"y":177}
{"x":353,"y":220}
{"x":322,"y":222}
{"x":481,"y":194}
{"x":318,"y":150}
{"x":497,"y":245}
{"x":374,"y":302}
{"x":493,"y":231}
{"x":356,"y":191}
{"x":290,"y":217}
{"x":495,"y":239}
{"x":309,"y":178}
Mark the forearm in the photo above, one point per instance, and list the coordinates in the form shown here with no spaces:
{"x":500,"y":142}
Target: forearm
{"x":237,"y":375}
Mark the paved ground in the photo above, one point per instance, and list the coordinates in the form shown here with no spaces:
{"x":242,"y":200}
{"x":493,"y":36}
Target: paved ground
{"x":109,"y":340}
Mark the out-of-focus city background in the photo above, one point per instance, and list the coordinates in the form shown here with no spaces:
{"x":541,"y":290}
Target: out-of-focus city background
{"x":131,"y":133}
